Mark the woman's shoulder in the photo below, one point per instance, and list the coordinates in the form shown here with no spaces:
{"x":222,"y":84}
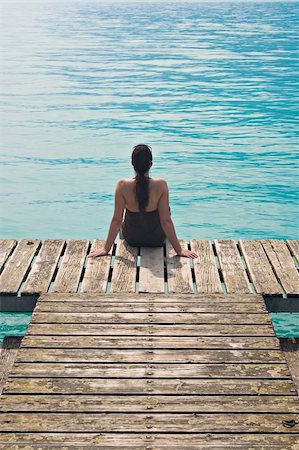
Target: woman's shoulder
{"x":160,"y":182}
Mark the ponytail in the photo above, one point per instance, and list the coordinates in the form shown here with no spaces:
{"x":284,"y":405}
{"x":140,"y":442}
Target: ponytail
{"x":142,"y":162}
{"x":142,"y":190}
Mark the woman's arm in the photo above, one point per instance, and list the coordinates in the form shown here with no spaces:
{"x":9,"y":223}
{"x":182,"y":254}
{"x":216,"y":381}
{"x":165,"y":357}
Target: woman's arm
{"x":167,"y":224}
{"x":119,"y":206}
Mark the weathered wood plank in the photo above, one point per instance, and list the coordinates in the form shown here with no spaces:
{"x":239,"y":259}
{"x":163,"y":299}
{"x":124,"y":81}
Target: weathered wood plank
{"x":124,"y":268}
{"x":170,"y":307}
{"x":36,"y":355}
{"x":116,"y":386}
{"x":283,"y":265}
{"x":6,"y":248}
{"x":171,"y":318}
{"x":97,"y":270}
{"x":68,"y":276}
{"x":130,"y":403}
{"x":43,"y":268}
{"x":294,"y":246}
{"x":235,"y":342}
{"x":118,"y":370}
{"x":150,"y":298}
{"x":259,"y":267}
{"x":140,"y":422}
{"x":151,"y":275}
{"x":14,"y":272}
{"x":290,"y":349}
{"x":233,"y":271}
{"x":179,"y":275}
{"x":206,"y":273}
{"x":9,"y":351}
{"x":174,"y":441}
{"x":149,"y":330}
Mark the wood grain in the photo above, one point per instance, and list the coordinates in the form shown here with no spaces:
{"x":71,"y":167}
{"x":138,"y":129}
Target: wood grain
{"x":97,"y":270}
{"x":283,"y":265}
{"x":124,"y":269}
{"x":233,"y":271}
{"x":68,"y":276}
{"x":6,"y":248}
{"x":151,"y":275}
{"x":260,"y":270}
{"x":43,"y":267}
{"x":179,"y":274}
{"x":206,"y":273}
{"x":14,"y":272}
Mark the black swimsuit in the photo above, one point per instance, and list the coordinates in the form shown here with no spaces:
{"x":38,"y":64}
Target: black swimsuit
{"x":143,"y":229}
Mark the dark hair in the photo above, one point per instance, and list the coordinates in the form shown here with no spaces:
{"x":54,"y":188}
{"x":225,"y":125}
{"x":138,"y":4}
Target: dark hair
{"x":142,"y":161}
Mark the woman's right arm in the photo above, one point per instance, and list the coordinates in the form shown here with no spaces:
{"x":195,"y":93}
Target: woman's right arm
{"x":167,"y":224}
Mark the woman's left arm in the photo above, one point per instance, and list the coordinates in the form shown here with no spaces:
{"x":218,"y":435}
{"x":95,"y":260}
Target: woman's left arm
{"x":119,"y":206}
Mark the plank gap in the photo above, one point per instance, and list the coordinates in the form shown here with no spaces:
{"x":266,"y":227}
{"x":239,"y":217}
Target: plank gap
{"x":166,"y":290}
{"x":251,"y":285}
{"x":219,"y":268}
{"x":29,"y":269}
{"x":284,"y":294}
{"x":51,"y":285}
{"x":83,"y":268}
{"x":194,"y":287}
{"x":8,"y":257}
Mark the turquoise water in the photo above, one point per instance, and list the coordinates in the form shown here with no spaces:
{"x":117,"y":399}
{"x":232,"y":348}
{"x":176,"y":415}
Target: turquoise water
{"x":212,"y":87}
{"x":13,"y":324}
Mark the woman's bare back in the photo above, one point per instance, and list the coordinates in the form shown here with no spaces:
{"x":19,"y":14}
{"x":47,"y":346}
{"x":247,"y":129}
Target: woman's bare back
{"x":155,"y":193}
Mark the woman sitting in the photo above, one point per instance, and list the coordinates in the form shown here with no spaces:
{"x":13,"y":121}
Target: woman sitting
{"x":147,"y":221}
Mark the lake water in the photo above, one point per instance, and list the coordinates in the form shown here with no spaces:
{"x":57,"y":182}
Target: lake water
{"x":211,"y":87}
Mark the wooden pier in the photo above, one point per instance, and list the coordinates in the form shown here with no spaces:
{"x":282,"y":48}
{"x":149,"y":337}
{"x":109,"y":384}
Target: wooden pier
{"x":143,"y":349}
{"x":29,"y":268}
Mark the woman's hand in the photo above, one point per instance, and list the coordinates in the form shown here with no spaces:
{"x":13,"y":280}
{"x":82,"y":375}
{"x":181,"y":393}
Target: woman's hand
{"x":100,"y":252}
{"x":188,"y":254}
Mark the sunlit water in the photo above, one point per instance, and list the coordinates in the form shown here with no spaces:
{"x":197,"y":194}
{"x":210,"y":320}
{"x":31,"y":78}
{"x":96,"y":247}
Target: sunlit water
{"x":211,"y":87}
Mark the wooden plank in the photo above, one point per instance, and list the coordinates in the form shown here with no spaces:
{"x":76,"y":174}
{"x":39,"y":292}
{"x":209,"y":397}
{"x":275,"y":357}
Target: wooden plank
{"x":179,"y":276}
{"x":155,"y":386}
{"x":43,"y":267}
{"x":290,"y":349}
{"x":119,"y":370}
{"x":225,"y":330}
{"x":71,"y":267}
{"x":283,"y":265}
{"x":151,"y":275}
{"x":233,"y":271}
{"x":6,"y":249}
{"x":14,"y":272}
{"x":171,"y":318}
{"x":170,"y":307}
{"x":150,"y":298}
{"x":294,"y":247}
{"x":140,"y":422}
{"x":259,"y":267}
{"x":141,"y":403}
{"x":124,"y":268}
{"x":234,"y":342}
{"x":97,"y":270}
{"x":9,"y":351}
{"x":206,"y":273}
{"x":173,"y":441}
{"x":36,"y":355}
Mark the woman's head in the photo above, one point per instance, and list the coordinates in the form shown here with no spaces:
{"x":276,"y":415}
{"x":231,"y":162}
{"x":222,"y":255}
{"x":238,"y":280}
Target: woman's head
{"x":142,"y":158}
{"x":142,"y":162}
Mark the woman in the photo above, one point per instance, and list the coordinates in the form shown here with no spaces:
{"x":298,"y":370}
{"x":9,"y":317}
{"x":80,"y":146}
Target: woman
{"x":147,"y":220}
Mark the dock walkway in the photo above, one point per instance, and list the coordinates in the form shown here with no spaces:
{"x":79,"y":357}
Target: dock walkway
{"x":29,"y":268}
{"x":148,"y":372}
{"x":142,"y":349}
